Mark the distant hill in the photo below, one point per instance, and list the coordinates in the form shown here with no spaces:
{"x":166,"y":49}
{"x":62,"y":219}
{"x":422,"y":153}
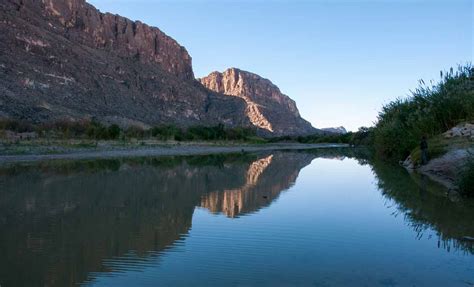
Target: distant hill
{"x":338,"y":130}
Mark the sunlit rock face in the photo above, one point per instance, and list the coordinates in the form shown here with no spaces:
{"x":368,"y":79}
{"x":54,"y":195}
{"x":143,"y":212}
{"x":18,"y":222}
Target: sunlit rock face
{"x":267,"y":108}
{"x":64,"y":59}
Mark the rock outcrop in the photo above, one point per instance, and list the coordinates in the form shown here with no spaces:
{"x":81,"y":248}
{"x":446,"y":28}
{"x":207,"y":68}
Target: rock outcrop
{"x":267,"y":108}
{"x":63,"y":59}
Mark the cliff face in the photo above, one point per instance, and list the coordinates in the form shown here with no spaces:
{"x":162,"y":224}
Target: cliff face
{"x":267,"y":108}
{"x":64,"y":59}
{"x":81,"y":23}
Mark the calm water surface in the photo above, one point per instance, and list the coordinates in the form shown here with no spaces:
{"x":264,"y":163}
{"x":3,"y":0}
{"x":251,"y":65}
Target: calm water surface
{"x":319,"y":218}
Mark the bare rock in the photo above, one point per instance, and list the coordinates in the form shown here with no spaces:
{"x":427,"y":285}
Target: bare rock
{"x":462,"y":130}
{"x":267,"y":108}
{"x":408,"y":163}
{"x":446,"y":168}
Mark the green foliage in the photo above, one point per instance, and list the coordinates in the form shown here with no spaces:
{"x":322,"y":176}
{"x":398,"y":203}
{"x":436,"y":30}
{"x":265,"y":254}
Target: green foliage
{"x":96,"y":130}
{"x":65,"y":129}
{"x":114,"y":132}
{"x":165,"y":132}
{"x":218,"y":133}
{"x":466,"y":178}
{"x":202,"y":133}
{"x":316,"y":138}
{"x":326,"y":138}
{"x":16,"y":126}
{"x":135,"y":132}
{"x":363,"y":137}
{"x":430,"y":110}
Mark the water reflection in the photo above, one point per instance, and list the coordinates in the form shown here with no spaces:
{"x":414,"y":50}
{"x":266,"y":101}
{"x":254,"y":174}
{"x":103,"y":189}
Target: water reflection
{"x":59,"y":222}
{"x":427,"y":205}
{"x":424,"y":203}
{"x":64,"y":223}
{"x":265,"y":179}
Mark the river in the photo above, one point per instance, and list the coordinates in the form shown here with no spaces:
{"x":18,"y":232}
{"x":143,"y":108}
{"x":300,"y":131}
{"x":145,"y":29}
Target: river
{"x":325,"y":217}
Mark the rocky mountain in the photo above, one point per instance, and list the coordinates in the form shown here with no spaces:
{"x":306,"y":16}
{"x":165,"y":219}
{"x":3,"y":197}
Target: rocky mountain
{"x":64,"y":59}
{"x":267,"y":108}
{"x":337,"y":130}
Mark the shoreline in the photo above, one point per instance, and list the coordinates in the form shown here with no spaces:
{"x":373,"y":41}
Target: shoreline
{"x":157,"y":151}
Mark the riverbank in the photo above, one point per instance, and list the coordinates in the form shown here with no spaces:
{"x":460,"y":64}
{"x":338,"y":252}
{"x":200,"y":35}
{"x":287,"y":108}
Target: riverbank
{"x":108,"y":150}
{"x":449,"y":153}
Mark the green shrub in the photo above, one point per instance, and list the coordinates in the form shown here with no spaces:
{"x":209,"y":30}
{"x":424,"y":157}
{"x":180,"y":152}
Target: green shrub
{"x":364,"y":136}
{"x":429,"y":111}
{"x":135,"y":132}
{"x":321,"y":138}
{"x":466,"y":178}
{"x":96,"y":130}
{"x":19,"y":126}
{"x":114,"y":132}
{"x":165,"y":132}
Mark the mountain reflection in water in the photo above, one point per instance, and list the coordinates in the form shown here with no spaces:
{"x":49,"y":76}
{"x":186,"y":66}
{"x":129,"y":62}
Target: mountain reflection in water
{"x":59,"y":222}
{"x":258,"y":190}
{"x":64,"y":223}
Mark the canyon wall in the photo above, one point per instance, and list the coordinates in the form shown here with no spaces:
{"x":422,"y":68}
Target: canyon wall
{"x":65,"y":60}
{"x":266,"y":107}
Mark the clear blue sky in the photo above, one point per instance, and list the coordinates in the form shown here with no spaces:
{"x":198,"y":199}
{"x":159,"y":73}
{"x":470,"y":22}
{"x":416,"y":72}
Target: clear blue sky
{"x":339,"y":60}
